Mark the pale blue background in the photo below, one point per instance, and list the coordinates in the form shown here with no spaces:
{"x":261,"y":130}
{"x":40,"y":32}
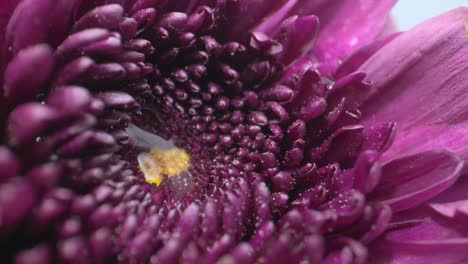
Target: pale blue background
{"x":409,"y":13}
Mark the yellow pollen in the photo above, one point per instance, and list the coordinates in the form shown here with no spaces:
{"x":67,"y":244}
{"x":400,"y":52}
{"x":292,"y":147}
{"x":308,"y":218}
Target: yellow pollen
{"x":157,"y":163}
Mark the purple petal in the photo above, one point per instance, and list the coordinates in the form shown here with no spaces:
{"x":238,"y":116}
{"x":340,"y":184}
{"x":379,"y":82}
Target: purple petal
{"x":381,"y":219}
{"x":297,"y":36}
{"x":342,"y":146}
{"x":455,"y":193}
{"x":73,"y":70}
{"x":264,"y":43}
{"x":348,"y":206}
{"x":409,"y":181}
{"x":379,"y":138}
{"x":79,"y":40}
{"x":25,"y":29}
{"x":270,"y":24}
{"x":352,"y":63}
{"x":39,"y":255}
{"x":27,"y":72}
{"x":71,"y":99}
{"x":420,"y":82}
{"x":347,"y":251}
{"x":250,"y":13}
{"x":107,"y":16}
{"x":6,"y":9}
{"x":17,"y":197}
{"x":346,"y":25}
{"x":10,"y":166}
{"x":367,"y":172}
{"x":28,"y":121}
{"x":437,"y":235}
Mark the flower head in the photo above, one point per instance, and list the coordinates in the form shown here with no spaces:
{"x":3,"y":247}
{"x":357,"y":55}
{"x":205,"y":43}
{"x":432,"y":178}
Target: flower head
{"x":230,"y":131}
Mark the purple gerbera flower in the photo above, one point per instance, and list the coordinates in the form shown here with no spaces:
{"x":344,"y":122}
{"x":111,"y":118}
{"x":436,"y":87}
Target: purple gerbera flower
{"x":231,"y":131}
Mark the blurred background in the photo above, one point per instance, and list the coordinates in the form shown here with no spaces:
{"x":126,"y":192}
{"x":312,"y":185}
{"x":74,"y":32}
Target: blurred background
{"x":409,"y":13}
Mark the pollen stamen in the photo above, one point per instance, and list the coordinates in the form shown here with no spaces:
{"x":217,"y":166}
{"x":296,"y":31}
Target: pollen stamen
{"x":158,"y":163}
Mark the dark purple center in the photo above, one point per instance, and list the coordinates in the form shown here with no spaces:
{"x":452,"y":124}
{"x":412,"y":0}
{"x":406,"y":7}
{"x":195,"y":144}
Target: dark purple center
{"x":272,"y":150}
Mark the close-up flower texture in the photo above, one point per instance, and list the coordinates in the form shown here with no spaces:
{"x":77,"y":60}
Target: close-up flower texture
{"x":231,"y":131}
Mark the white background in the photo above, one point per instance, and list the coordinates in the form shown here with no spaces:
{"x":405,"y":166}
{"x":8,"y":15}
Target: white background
{"x":409,"y":13}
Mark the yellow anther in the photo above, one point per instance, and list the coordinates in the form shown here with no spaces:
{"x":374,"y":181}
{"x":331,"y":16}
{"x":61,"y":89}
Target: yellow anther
{"x":160,"y":162}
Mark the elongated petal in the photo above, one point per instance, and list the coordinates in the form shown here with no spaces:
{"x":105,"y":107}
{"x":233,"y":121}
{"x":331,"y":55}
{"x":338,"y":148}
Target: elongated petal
{"x":270,"y":24}
{"x":346,"y":25}
{"x":359,"y":57}
{"x":297,"y":35}
{"x":455,"y":193}
{"x":407,"y":182}
{"x":6,"y":9}
{"x":25,"y":27}
{"x":437,"y":235}
{"x":27,"y":72}
{"x":251,"y":12}
{"x":107,"y":16}
{"x":420,"y":82}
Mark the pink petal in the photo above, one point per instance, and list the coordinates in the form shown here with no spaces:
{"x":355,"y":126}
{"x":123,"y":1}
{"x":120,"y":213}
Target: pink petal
{"x":455,"y":193}
{"x":346,"y":25}
{"x":270,"y":24}
{"x":420,"y":82}
{"x":451,"y":209}
{"x":436,"y":234}
{"x":352,"y":63}
{"x":409,"y":181}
